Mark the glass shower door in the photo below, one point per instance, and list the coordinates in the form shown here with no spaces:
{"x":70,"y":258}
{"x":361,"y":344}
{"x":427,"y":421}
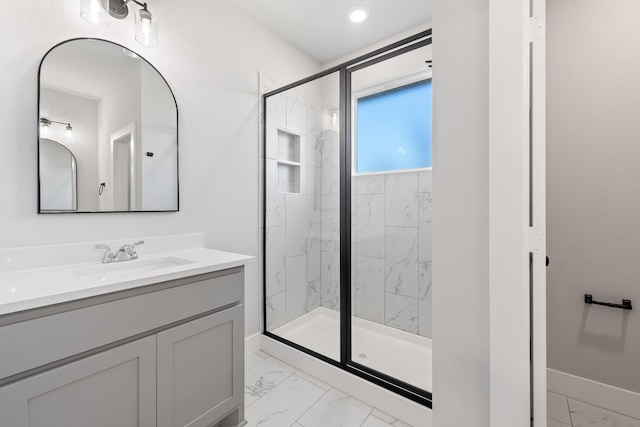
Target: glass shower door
{"x":391,"y":187}
{"x":302,"y":218}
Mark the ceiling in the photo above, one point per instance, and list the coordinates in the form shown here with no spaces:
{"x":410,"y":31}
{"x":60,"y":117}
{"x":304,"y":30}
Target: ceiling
{"x":322,"y":29}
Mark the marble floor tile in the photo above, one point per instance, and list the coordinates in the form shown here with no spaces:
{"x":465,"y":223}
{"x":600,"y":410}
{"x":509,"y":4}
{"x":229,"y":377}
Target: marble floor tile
{"x":336,"y":409}
{"x":389,"y":419}
{"x":553,"y":423}
{"x":284,"y":404}
{"x":266,"y":375}
{"x":252,"y":360}
{"x":314,"y":380}
{"x":585,"y":415}
{"x":373,"y":421}
{"x":558,"y":408}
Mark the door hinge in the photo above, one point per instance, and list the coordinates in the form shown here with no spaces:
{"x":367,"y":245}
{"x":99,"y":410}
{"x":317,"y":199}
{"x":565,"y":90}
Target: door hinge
{"x":536,"y":239}
{"x":536,"y":29}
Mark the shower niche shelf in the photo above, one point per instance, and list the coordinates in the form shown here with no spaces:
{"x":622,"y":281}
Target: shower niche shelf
{"x":288,"y":162}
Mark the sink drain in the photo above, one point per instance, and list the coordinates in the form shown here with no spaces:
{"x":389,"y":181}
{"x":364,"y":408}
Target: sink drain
{"x":362,"y":355}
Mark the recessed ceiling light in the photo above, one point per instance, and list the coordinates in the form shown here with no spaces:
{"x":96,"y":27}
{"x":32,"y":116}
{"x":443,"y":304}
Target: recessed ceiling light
{"x":358,"y":14}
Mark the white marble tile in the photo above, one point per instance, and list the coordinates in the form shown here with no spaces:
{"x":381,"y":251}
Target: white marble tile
{"x":369,"y":289}
{"x":370,"y":184}
{"x":553,"y":423}
{"x":558,"y":407}
{"x":296,"y":116}
{"x":336,"y":409}
{"x":276,"y":202}
{"x":276,"y":118}
{"x":263,"y":354}
{"x":325,"y":279}
{"x":252,"y":360}
{"x":335,"y":149}
{"x":370,"y":228}
{"x":313,"y":251}
{"x":285,"y":404}
{"x":276,"y":310}
{"x":373,"y":421}
{"x":314,"y":380}
{"x":335,"y":295}
{"x":425,"y":304}
{"x":335,"y":262}
{"x":297,"y":287}
{"x":383,"y":416}
{"x":326,"y":235}
{"x":314,"y":131}
{"x":263,"y":377}
{"x":425,"y":181}
{"x":585,"y":415}
{"x":250,"y":397}
{"x":388,"y":418}
{"x":401,"y":249}
{"x":296,"y":425}
{"x":401,"y":199}
{"x":326,"y":179}
{"x":314,"y":191}
{"x":296,"y":235}
{"x":313,"y":294}
{"x":275,"y":260}
{"x":401,"y":312}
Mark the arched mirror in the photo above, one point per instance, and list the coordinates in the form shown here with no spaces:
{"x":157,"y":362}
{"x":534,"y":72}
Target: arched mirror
{"x":58,"y":177}
{"x":114,"y":113}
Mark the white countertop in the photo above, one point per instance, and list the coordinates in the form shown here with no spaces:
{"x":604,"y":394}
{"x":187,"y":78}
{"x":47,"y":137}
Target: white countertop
{"x":38,"y":287}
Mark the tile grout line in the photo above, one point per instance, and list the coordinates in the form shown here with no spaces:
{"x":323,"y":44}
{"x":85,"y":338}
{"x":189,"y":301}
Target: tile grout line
{"x":314,"y":403}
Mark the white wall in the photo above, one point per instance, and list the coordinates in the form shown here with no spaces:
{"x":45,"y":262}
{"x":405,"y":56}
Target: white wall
{"x":593,"y":188}
{"x":461,"y":213}
{"x":82,"y":113}
{"x":158,"y":130}
{"x":210,"y":54}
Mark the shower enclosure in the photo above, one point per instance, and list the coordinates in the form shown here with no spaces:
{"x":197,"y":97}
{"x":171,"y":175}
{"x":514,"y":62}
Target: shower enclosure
{"x":347,"y":216}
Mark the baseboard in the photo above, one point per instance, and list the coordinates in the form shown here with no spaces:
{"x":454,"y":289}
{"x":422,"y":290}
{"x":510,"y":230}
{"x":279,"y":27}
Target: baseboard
{"x":598,"y":394}
{"x":252,"y":344}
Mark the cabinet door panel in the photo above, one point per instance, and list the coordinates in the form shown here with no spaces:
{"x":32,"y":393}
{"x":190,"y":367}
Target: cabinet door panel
{"x":200,"y":375}
{"x":113,"y":388}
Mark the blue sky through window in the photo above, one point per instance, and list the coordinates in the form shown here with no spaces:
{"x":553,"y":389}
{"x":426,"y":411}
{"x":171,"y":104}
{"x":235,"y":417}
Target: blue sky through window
{"x":394,"y":129}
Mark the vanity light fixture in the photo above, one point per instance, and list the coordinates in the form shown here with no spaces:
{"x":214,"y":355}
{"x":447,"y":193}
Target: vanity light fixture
{"x":358,"y":14}
{"x":146,"y":26}
{"x":45,"y":127}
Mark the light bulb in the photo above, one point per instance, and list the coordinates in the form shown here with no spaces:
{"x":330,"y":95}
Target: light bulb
{"x":95,"y":12}
{"x":146,"y":28}
{"x":358,"y":14}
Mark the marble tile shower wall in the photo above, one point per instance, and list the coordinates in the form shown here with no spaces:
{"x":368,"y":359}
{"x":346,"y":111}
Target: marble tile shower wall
{"x":392,"y":250}
{"x":293,"y":219}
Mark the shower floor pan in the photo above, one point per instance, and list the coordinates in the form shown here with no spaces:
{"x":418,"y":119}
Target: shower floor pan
{"x":399,"y":354}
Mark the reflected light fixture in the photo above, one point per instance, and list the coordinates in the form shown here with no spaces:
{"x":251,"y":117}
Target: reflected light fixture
{"x":358,"y":14}
{"x":45,"y":127}
{"x":98,"y":11}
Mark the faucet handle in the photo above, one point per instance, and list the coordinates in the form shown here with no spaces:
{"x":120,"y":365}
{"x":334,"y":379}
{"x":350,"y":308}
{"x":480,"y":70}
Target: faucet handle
{"x":108,"y":256}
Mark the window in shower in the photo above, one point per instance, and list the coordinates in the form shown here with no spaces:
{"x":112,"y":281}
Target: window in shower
{"x":347,"y":255}
{"x":393,"y":127}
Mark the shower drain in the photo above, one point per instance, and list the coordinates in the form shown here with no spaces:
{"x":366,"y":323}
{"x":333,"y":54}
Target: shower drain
{"x":362,"y":355}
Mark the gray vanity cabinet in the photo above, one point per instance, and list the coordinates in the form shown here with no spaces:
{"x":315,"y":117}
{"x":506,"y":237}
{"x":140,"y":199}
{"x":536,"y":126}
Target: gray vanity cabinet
{"x":198,"y":363}
{"x":169,"y":355}
{"x":113,"y":388}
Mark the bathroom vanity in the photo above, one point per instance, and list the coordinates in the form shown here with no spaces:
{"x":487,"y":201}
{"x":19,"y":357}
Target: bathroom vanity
{"x":156,"y":342}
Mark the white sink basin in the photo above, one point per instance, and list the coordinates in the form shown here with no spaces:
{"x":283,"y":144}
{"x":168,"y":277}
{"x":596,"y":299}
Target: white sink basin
{"x":125,"y":269}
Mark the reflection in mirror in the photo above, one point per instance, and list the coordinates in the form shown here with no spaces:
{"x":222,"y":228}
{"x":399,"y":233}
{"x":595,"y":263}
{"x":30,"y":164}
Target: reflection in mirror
{"x":117,"y":115}
{"x":58,"y":191}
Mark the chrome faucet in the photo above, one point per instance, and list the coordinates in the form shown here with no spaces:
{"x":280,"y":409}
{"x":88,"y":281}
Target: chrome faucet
{"x":128,"y":253}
